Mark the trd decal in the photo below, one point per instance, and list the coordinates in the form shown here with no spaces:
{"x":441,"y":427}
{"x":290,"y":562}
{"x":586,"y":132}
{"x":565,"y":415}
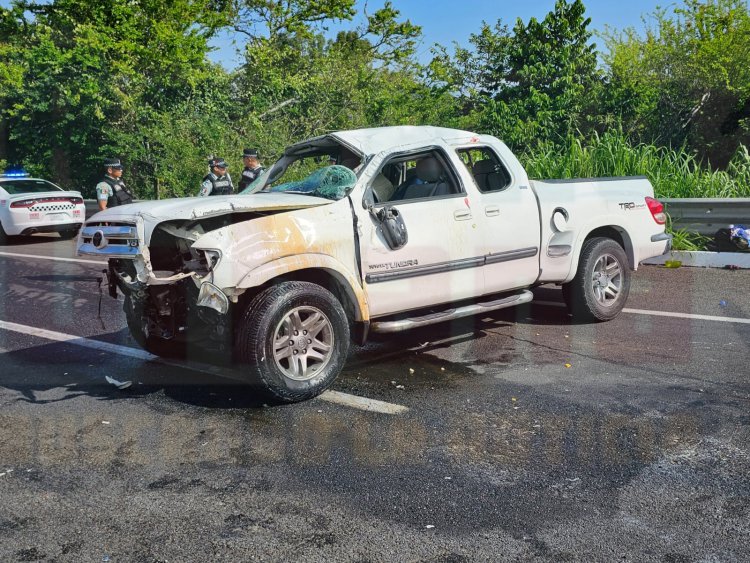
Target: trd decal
{"x":631,"y":205}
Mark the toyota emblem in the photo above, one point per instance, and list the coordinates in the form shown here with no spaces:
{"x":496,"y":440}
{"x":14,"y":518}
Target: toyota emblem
{"x":98,"y":240}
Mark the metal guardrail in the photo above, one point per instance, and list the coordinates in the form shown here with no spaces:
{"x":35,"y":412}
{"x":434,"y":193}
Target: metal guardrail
{"x":697,"y":215}
{"x":706,"y":216}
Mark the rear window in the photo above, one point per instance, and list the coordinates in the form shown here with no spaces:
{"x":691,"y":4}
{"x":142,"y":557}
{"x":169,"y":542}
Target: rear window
{"x":15,"y":187}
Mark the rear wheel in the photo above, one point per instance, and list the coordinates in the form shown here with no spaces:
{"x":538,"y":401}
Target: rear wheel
{"x":600,"y":288}
{"x":3,"y":235}
{"x":138,"y":326}
{"x":294,"y":339}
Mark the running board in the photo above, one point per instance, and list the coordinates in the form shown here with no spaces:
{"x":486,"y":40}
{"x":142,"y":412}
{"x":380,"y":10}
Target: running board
{"x":475,"y":309}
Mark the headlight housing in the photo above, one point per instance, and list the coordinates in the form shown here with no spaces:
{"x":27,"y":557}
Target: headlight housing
{"x":213,"y":257}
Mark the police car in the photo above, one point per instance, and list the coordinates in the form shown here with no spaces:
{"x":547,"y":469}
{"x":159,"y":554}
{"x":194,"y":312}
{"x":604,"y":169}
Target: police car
{"x":31,"y":205}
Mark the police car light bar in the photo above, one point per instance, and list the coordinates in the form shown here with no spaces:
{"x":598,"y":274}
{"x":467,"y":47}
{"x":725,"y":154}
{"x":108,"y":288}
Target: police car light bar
{"x":14,"y":173}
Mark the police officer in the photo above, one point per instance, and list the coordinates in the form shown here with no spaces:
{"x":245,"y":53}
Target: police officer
{"x":111,"y":191}
{"x":252,"y":170}
{"x":217,"y":181}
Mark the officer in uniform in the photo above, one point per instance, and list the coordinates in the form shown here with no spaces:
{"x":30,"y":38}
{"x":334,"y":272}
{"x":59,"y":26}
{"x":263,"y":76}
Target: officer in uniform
{"x":217,"y":181}
{"x":111,"y":191}
{"x":252,"y":170}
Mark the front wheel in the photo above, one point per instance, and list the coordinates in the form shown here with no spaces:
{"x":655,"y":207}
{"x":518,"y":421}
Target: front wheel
{"x":600,"y":288}
{"x":294,"y":339}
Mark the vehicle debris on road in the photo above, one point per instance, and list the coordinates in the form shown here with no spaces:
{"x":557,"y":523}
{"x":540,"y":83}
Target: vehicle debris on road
{"x":116,"y":383}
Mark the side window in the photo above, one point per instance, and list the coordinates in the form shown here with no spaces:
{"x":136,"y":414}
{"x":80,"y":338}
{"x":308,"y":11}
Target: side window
{"x":416,"y":176}
{"x":489,"y":173}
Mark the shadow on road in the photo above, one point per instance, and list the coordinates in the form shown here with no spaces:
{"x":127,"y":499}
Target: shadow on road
{"x":25,"y":240}
{"x":55,"y":372}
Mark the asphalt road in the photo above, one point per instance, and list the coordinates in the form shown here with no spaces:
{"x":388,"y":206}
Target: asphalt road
{"x":524,"y":437}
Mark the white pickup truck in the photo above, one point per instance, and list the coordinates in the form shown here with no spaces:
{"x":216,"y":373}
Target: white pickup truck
{"x":412,"y":226}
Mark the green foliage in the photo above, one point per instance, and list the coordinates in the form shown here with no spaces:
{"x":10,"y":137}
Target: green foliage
{"x":673,"y":173}
{"x":85,"y":79}
{"x":532,"y":84}
{"x":686,"y":81}
{"x":299,"y":84}
{"x":685,"y":240}
{"x":92,"y":72}
{"x":275,"y":18}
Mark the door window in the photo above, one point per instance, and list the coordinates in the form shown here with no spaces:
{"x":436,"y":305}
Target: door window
{"x":488,"y":171}
{"x":414,"y":177}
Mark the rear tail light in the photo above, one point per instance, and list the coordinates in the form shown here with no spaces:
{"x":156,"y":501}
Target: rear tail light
{"x":31,"y":202}
{"x":656,"y":208}
{"x":23,"y":203}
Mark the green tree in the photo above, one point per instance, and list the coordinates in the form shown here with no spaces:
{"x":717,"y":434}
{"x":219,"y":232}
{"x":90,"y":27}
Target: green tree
{"x":296,"y":83}
{"x":95,"y":71}
{"x":687,"y":81}
{"x":532,"y":84}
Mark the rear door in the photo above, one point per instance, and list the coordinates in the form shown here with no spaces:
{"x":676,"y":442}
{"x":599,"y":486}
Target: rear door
{"x":506,"y":212}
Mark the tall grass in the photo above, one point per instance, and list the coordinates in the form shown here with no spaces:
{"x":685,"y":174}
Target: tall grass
{"x":673,"y":173}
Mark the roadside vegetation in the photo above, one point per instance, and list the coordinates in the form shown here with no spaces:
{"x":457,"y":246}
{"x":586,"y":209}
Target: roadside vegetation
{"x":85,"y":79}
{"x":674,"y":173}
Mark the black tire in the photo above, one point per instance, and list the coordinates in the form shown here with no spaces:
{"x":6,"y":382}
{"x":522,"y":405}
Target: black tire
{"x":137,"y":326}
{"x":266,"y":330}
{"x":68,"y":234}
{"x":592,"y":296}
{"x":4,"y":238}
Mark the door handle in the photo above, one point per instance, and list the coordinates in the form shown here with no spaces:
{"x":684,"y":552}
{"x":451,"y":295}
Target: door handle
{"x":462,"y":215}
{"x":492,"y":211}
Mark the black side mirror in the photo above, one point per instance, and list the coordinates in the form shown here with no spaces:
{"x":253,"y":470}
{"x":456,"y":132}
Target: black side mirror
{"x":391,"y":225}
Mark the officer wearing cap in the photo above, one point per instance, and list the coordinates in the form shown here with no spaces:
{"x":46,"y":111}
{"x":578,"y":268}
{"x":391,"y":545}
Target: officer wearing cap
{"x":111,"y":191}
{"x":252,"y":170}
{"x":217,"y":181}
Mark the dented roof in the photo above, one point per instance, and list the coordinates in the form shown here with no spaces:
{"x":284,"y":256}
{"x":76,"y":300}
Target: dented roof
{"x":378,"y":139}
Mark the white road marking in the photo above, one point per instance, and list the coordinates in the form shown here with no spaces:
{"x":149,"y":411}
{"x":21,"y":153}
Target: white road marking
{"x":354,"y":401}
{"x":548,"y":303}
{"x":55,"y":258}
{"x":663,"y":314}
{"x":688,"y":316}
{"x":361,"y":403}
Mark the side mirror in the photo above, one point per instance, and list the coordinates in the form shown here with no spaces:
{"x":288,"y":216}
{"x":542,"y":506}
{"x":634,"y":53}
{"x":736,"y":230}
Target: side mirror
{"x":391,"y":225}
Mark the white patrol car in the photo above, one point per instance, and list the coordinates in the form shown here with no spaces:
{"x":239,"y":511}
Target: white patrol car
{"x":31,"y":205}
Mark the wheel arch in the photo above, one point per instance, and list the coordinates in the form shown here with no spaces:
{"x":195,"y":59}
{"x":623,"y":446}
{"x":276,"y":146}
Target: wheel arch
{"x":611,"y":231}
{"x":325,"y":274}
{"x":619,"y":235}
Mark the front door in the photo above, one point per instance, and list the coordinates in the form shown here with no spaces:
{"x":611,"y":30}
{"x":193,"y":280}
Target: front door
{"x":442,"y":260}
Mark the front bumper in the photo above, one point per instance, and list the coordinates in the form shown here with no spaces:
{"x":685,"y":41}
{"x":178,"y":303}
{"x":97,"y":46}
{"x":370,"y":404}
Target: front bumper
{"x":110,"y":241}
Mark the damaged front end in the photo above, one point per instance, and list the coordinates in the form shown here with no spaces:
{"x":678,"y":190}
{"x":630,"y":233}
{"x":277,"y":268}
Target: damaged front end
{"x":167,"y":283}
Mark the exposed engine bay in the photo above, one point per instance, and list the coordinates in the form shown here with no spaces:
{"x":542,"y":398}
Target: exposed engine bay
{"x":165,"y":286}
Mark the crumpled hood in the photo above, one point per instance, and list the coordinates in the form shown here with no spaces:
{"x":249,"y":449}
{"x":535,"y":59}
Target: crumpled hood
{"x":197,"y":207}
